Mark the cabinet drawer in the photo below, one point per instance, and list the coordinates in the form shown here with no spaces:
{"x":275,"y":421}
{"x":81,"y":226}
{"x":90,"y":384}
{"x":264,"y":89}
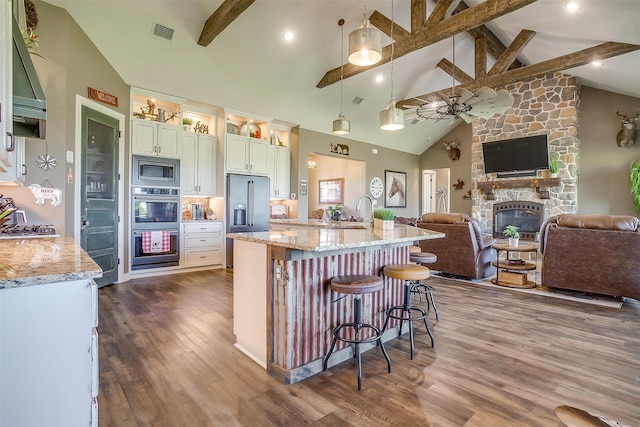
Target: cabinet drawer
{"x":205,"y":227}
{"x":194,"y":258}
{"x":202,"y":240}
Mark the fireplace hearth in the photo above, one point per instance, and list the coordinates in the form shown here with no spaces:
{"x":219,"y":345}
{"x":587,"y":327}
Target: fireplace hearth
{"x":525,"y":215}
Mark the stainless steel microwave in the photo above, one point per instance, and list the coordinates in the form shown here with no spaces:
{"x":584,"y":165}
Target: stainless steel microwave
{"x":155,"y":171}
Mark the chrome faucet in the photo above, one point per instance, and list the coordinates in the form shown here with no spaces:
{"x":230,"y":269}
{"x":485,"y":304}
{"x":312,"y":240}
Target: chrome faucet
{"x":369,"y":219}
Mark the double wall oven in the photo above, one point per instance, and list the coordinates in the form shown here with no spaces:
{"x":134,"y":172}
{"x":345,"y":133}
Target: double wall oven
{"x":155,"y":215}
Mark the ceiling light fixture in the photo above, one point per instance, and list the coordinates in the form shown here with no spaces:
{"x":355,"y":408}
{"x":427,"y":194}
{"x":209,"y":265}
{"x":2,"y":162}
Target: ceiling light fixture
{"x":365,"y":43}
{"x":391,"y":118}
{"x":288,"y":36}
{"x":341,"y":126}
{"x":572,"y":6}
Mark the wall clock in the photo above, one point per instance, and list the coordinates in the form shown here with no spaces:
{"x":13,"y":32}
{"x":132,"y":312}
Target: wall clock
{"x":376,"y":187}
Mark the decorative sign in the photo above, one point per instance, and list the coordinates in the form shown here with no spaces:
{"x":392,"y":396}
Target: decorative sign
{"x":101,"y":96}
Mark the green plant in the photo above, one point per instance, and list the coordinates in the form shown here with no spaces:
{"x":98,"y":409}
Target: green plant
{"x":334,"y":211}
{"x":187,"y":121}
{"x":512,"y":232}
{"x":31,"y":41}
{"x":384,"y":214}
{"x":634,"y":182}
{"x":553,"y":166}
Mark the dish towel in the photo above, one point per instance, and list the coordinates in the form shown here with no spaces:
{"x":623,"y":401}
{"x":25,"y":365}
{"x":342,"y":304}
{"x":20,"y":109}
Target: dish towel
{"x":155,"y":242}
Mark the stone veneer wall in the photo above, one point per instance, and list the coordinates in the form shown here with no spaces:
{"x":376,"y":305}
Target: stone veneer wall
{"x":545,"y":105}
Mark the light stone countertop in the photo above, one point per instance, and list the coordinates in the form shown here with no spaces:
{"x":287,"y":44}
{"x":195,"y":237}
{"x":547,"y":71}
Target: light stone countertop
{"x":29,"y":262}
{"x":317,"y":239}
{"x":317,"y":223}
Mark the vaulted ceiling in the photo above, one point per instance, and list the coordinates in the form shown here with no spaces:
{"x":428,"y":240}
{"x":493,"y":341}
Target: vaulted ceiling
{"x":244,"y":63}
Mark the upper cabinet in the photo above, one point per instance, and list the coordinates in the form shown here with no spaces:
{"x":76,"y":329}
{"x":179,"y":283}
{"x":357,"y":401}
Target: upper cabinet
{"x":156,"y":125}
{"x":199,"y":152}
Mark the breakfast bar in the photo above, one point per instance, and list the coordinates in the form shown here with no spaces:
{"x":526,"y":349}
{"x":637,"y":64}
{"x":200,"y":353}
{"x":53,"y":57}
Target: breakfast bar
{"x":284,"y":310}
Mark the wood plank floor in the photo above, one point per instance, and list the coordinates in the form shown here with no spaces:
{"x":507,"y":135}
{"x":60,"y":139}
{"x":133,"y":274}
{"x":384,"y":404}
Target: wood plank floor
{"x":502,"y":358}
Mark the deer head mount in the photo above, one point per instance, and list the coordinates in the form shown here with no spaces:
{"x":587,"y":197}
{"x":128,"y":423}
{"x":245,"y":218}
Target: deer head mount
{"x":627,"y":135}
{"x":452,"y":148}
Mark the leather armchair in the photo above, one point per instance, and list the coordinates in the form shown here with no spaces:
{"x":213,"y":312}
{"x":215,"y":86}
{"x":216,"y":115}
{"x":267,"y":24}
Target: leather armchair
{"x":464,"y":251}
{"x":592,"y":253}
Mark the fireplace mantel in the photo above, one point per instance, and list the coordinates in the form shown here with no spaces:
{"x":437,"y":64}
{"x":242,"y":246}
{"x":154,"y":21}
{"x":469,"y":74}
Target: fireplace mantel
{"x":539,"y":184}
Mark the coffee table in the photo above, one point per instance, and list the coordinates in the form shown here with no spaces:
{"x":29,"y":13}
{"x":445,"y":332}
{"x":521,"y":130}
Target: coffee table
{"x":513,"y":270}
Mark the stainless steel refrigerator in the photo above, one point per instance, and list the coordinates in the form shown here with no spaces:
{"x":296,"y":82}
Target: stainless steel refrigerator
{"x":247,"y":206}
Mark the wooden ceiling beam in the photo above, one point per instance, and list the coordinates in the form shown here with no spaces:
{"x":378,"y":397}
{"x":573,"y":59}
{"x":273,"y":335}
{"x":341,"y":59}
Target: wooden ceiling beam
{"x":480,"y":56}
{"x":418,"y":14}
{"x":449,"y":68}
{"x":224,"y":15}
{"x":437,"y":14}
{"x":561,"y":63}
{"x":514,"y":49}
{"x":460,"y":22}
{"x":383,"y":23}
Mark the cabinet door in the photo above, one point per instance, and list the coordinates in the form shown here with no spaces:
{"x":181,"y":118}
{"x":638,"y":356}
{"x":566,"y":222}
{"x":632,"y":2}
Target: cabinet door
{"x":169,"y":141}
{"x":236,"y":153}
{"x":283,"y":172}
{"x":188,"y":180}
{"x":271,"y":169}
{"x":8,"y":164}
{"x":143,"y":138}
{"x":207,"y":165}
{"x":258,"y":156}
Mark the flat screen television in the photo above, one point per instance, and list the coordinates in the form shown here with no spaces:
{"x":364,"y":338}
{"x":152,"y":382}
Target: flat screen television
{"x":516,"y":157}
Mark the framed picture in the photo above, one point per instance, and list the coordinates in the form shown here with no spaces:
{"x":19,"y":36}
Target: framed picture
{"x":395,"y":184}
{"x":331,"y":191}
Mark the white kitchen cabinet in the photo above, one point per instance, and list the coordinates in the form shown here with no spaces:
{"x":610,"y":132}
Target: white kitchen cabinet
{"x":246,"y":155}
{"x":198,"y":165}
{"x":48,"y":350}
{"x":279,"y":166}
{"x":202,"y":243}
{"x":149,"y":138}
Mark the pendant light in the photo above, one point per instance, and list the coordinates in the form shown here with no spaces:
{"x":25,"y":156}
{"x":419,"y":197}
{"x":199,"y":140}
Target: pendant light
{"x":341,"y":126}
{"x":365,"y":43}
{"x":392,"y":118}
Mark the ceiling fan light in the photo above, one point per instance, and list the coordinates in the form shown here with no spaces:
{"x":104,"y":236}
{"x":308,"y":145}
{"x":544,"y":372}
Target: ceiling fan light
{"x":341,"y":126}
{"x":391,"y":118}
{"x":365,"y":45}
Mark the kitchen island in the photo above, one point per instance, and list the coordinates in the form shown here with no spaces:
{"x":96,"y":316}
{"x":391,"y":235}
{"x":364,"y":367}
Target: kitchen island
{"x":48,"y":340}
{"x":284,"y":310}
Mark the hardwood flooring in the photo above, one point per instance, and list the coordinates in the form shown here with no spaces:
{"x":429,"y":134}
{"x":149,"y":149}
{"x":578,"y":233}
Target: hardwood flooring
{"x":502,"y":358}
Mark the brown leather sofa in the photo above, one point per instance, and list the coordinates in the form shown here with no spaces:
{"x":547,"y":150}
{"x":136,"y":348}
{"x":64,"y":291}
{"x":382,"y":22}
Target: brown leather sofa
{"x":592,"y":253}
{"x":463,"y":251}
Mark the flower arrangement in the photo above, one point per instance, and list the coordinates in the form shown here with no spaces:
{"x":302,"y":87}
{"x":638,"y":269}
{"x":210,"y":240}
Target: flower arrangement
{"x":187,"y":121}
{"x":335,"y":212}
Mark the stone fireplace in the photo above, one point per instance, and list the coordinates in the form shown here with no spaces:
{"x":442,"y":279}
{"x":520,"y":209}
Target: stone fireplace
{"x":544,"y":105}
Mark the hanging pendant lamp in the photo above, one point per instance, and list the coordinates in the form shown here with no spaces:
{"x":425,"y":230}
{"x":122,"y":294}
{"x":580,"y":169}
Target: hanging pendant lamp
{"x":392,"y":118}
{"x":365,"y":43}
{"x":341,"y":126}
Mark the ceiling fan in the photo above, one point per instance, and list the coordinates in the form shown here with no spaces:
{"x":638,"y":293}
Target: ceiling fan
{"x":464,"y":104}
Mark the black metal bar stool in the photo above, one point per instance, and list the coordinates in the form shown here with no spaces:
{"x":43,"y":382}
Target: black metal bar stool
{"x":420,"y":287}
{"x":409,"y":273}
{"x":357,"y":285}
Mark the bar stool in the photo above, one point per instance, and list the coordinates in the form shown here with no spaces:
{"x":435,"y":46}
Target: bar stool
{"x":409,"y":273}
{"x":357,"y":285}
{"x":420,"y":287}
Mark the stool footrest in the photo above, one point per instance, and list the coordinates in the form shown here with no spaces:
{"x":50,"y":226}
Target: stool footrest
{"x":372,"y":338}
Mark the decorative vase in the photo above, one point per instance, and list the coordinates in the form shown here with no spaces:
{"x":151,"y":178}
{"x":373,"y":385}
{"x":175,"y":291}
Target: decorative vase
{"x":186,"y":128}
{"x":513,"y":242}
{"x":383,"y":224}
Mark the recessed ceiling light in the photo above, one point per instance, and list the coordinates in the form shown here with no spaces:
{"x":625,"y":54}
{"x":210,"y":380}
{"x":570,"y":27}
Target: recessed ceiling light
{"x":572,"y":6}
{"x":288,"y":36}
{"x":596,"y":63}
{"x":379,"y":78}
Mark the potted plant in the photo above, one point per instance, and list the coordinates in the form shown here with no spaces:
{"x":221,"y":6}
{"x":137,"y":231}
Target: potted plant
{"x":334,"y":212}
{"x":511,"y":231}
{"x":383,"y":218}
{"x":553,"y":167}
{"x":634,"y":182}
{"x":186,"y":123}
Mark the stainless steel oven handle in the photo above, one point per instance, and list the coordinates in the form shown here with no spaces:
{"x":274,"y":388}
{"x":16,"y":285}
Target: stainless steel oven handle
{"x":171,"y":232}
{"x":156,"y":199}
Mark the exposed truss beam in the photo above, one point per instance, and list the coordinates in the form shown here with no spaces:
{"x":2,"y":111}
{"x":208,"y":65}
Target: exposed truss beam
{"x":418,"y":14}
{"x":462,"y":21}
{"x":383,"y":23}
{"x":561,"y":63}
{"x":448,"y":67}
{"x":480,"y":56}
{"x":224,"y":15}
{"x":514,"y":49}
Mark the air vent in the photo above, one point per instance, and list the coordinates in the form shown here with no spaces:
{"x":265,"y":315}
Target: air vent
{"x":357,"y":100}
{"x":162,"y":32}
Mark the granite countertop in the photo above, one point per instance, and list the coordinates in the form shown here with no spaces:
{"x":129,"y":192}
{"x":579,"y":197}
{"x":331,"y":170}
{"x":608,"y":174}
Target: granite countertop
{"x":319,"y":239}
{"x":318,"y":223}
{"x":29,"y":262}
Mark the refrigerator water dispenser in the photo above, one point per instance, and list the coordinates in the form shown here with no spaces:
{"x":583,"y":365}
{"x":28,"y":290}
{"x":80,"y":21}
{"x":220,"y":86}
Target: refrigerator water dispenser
{"x":239,"y":215}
